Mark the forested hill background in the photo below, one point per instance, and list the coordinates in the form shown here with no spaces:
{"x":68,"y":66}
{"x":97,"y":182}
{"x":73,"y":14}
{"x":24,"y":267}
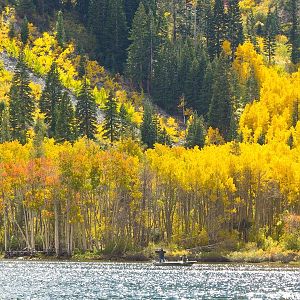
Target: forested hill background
{"x":126,"y":124}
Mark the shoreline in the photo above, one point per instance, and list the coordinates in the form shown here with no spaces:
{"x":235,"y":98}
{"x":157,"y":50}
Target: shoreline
{"x":207,"y":258}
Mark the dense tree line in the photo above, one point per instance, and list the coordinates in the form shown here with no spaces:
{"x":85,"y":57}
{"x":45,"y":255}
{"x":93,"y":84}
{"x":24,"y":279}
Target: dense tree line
{"x":67,"y":198}
{"x":80,"y":177}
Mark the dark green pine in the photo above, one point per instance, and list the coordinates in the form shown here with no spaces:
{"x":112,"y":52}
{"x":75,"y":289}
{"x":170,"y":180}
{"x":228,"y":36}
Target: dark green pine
{"x":86,"y":112}
{"x":60,"y":29}
{"x":24,"y":31}
{"x":131,"y":7}
{"x":21,"y":104}
{"x":65,"y":123}
{"x":270,"y":32}
{"x":4,"y":123}
{"x":115,"y":36}
{"x":219,"y":27}
{"x":82,"y":7}
{"x":195,"y":132}
{"x":294,"y":33}
{"x":51,"y":98}
{"x":125,"y":122}
{"x":220,"y":109}
{"x":206,"y":92}
{"x":139,"y":52}
{"x":111,"y":126}
{"x":148,"y":130}
{"x":235,"y":25}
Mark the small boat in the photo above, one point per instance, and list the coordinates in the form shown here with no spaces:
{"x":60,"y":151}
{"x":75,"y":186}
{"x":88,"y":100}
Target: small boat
{"x":178,"y":263}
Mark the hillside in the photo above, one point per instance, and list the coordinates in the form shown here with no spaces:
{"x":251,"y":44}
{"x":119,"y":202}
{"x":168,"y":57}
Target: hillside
{"x":130,"y":124}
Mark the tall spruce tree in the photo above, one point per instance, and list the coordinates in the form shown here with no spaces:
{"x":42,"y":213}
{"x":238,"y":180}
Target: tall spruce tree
{"x":40,"y":131}
{"x":82,"y":7}
{"x":270,"y":32}
{"x":235,"y":26}
{"x":195,"y":132}
{"x":51,"y":98}
{"x":111,"y":126}
{"x":115,"y":36}
{"x":131,"y":7}
{"x":251,"y":30}
{"x":65,"y":129}
{"x":220,"y":109}
{"x":141,"y":49}
{"x":86,"y":112}
{"x":166,"y":86}
{"x":21,"y":103}
{"x":148,"y":129}
{"x":25,"y":7}
{"x":219,"y":28}
{"x":194,"y":84}
{"x":60,"y":29}
{"x":294,"y":35}
{"x":4,"y":123}
{"x":206,"y":92}
{"x":126,"y":126}
{"x":24,"y":31}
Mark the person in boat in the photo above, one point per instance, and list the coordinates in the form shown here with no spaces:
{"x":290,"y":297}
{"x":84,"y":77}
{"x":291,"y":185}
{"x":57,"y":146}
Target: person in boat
{"x":161,"y":255}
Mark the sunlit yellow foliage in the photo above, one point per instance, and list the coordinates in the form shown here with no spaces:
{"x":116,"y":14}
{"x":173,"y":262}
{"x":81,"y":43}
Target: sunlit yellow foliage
{"x":246,"y":59}
{"x":246,"y":4}
{"x":5,"y":83}
{"x":36,"y":90}
{"x":226,"y":47}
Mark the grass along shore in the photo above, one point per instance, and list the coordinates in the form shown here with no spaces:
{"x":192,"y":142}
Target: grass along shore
{"x":249,"y":254}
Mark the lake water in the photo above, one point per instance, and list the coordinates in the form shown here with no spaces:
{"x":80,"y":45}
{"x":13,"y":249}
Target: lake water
{"x":72,"y":280}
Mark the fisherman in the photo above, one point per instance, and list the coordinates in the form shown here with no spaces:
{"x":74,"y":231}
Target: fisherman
{"x":161,"y":254}
{"x":184,"y":258}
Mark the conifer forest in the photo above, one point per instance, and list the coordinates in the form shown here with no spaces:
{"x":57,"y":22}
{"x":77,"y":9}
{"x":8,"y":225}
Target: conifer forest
{"x":126,"y":124}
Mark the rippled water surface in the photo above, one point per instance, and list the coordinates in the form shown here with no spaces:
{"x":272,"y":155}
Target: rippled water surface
{"x":72,"y":280}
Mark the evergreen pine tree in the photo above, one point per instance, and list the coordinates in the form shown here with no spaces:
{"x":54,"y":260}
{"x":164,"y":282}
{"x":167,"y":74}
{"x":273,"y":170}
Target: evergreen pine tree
{"x":140,"y":50}
{"x":131,"y":7}
{"x":51,"y":98}
{"x":207,"y":92}
{"x":220,"y":109}
{"x":4,"y":123}
{"x":40,"y":130}
{"x":125,"y":122}
{"x":25,"y":7}
{"x":235,"y":25}
{"x":270,"y":33}
{"x":219,"y":27}
{"x":65,"y":122}
{"x":166,"y":86}
{"x":12,"y":30}
{"x":148,"y":130}
{"x":293,"y":9}
{"x":86,"y":112}
{"x":195,"y":85}
{"x":111,"y":126}
{"x":82,"y":66}
{"x":60,"y":29}
{"x":24,"y":31}
{"x":82,"y":7}
{"x":115,"y":36}
{"x":21,"y":103}
{"x":251,"y":31}
{"x":195,"y":132}
{"x":97,"y":14}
